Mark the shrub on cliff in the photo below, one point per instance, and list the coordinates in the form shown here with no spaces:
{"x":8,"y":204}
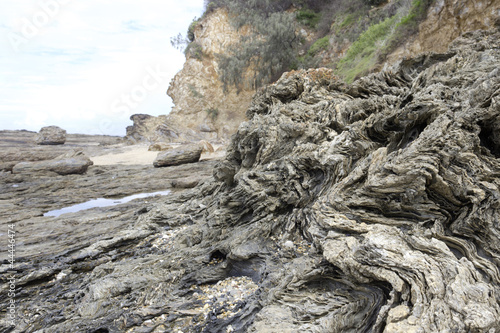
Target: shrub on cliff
{"x":266,"y":51}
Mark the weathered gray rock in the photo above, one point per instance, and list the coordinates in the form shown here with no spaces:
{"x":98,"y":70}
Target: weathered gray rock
{"x":69,"y":163}
{"x":51,"y":135}
{"x":370,"y":207}
{"x":184,"y":154}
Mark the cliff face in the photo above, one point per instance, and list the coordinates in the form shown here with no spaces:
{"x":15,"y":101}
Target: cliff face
{"x":203,"y":110}
{"x":447,"y":20}
{"x":200,"y":102}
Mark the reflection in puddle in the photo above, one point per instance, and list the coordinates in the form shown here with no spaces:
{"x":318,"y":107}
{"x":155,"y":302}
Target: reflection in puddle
{"x":101,"y":202}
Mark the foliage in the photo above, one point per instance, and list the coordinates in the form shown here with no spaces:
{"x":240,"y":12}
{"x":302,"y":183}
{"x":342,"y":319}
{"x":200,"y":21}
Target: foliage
{"x":348,"y":20}
{"x":269,"y":45}
{"x":363,"y":52}
{"x":319,"y":45}
{"x":416,"y":14}
{"x":266,"y":51}
{"x":212,"y":112}
{"x":308,"y":17}
{"x":179,"y":42}
{"x":407,"y":26}
{"x":194,"y":50}
{"x":192,"y":26}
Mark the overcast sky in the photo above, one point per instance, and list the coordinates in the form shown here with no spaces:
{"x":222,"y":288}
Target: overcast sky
{"x":87,"y":66}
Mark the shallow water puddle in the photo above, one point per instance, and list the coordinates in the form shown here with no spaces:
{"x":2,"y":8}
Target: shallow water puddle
{"x":102,"y":202}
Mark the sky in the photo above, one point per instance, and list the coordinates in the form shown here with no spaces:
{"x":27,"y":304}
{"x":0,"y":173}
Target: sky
{"x":88,"y":65}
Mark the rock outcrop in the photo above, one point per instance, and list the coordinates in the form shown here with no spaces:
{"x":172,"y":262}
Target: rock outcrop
{"x":202,"y":109}
{"x":445,"y":21}
{"x":185,"y":154}
{"x":370,"y":207}
{"x":67,"y":164}
{"x":198,"y":95}
{"x":51,"y":135}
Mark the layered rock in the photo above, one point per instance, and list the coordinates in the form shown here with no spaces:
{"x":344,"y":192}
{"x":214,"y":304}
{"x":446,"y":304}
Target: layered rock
{"x":51,"y":135}
{"x":202,"y":109}
{"x":370,"y":207}
{"x":66,"y":164}
{"x":445,"y":21}
{"x":177,"y":156}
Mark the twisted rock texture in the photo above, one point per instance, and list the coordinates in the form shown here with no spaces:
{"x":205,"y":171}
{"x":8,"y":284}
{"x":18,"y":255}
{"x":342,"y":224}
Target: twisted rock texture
{"x":371,"y":207}
{"x":393,"y":180}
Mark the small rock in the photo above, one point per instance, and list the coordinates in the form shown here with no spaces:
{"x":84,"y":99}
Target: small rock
{"x":207,"y":147}
{"x":288,"y":245}
{"x":159,"y":146}
{"x":189,"y":182}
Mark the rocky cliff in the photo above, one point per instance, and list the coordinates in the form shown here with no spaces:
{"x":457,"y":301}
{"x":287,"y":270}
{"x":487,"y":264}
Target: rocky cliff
{"x":203,"y":110}
{"x":369,"y":207}
{"x":445,"y":21}
{"x":200,"y":100}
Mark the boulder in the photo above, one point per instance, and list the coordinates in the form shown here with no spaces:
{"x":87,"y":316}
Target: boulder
{"x":185,"y":154}
{"x":69,"y":163}
{"x":51,"y":135}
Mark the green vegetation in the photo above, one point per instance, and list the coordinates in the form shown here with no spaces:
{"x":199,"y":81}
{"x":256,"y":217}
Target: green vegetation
{"x":192,"y":26}
{"x":362,"y":54}
{"x":373,"y":45}
{"x":319,"y":45}
{"x":348,"y":20}
{"x":270,"y":45}
{"x":266,"y":51}
{"x":194,"y":92}
{"x":308,"y":17}
{"x":194,"y":50}
{"x":212,"y":113}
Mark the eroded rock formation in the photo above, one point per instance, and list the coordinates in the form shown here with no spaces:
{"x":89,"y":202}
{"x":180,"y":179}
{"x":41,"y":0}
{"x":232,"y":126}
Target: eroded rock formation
{"x":370,"y":207}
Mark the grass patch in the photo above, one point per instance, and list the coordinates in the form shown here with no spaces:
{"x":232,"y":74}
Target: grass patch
{"x":319,"y":45}
{"x":348,"y":20}
{"x":362,"y":55}
{"x":407,"y":26}
{"x":308,"y":17}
